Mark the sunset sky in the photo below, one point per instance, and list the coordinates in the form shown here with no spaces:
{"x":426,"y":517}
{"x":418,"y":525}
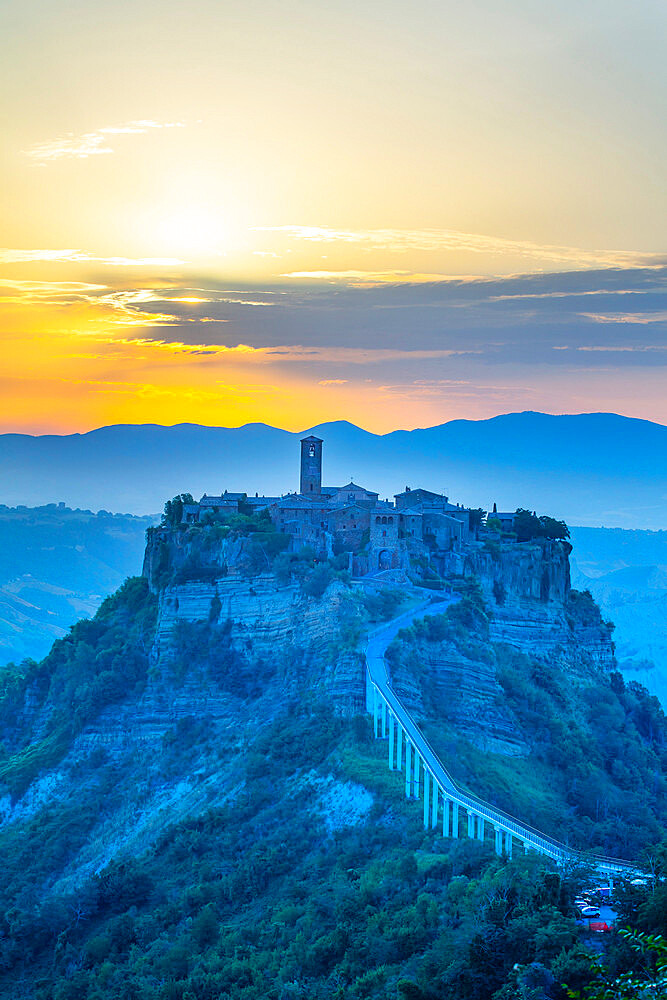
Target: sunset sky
{"x":291,"y":212}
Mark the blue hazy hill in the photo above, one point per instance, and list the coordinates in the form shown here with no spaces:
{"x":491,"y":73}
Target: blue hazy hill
{"x":590,"y":469}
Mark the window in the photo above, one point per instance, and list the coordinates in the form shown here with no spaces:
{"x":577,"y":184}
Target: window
{"x":311,"y":451}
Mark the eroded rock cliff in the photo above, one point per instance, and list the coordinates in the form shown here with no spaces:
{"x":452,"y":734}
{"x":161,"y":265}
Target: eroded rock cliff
{"x":526,"y":587}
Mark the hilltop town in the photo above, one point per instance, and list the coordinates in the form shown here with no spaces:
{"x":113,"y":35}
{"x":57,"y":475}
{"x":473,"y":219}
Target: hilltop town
{"x":379,"y":534}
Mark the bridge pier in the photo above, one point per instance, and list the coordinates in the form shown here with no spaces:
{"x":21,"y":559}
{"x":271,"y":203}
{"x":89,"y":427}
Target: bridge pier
{"x":499,"y":840}
{"x":384,"y":718}
{"x":375,"y":712}
{"x":427,"y":785}
{"x":391,"y":741}
{"x":445,"y":817}
{"x":526,"y":847}
{"x":408,"y":769}
{"x":471,"y":825}
{"x":480,"y":827}
{"x":434,"y":810}
{"x":399,"y":747}
{"x":508,"y":844}
{"x":415,"y":779}
{"x":455,"y":819}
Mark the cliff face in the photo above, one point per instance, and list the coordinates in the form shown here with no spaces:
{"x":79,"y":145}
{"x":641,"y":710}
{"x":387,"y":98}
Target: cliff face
{"x":526,"y":586}
{"x":193,"y":554}
{"x":448,"y":677}
{"x":457,"y":690}
{"x":297,"y":636}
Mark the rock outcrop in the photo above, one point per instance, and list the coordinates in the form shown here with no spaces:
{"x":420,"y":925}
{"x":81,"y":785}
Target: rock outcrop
{"x":526,"y":586}
{"x":460,"y":691}
{"x":203,"y":577}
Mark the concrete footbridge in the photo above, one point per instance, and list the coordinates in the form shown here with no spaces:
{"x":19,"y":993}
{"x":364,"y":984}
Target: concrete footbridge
{"x":427,"y":778}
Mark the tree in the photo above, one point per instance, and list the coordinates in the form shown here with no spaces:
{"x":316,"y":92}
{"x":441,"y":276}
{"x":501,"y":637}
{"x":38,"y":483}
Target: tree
{"x":173,"y":509}
{"x":640,"y":984}
{"x":476,"y":516}
{"x":551,"y":528}
{"x":526,"y":525}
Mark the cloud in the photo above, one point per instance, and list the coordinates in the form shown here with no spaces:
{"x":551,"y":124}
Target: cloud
{"x":365,"y":277}
{"x":334,"y":381}
{"x":613,"y":349}
{"x":447,"y":328}
{"x":13,"y":256}
{"x":620,"y":317}
{"x":97,"y":143}
{"x":429,"y":240}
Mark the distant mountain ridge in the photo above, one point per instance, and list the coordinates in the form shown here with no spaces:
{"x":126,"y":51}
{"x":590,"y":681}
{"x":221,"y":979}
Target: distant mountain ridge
{"x":591,"y":469}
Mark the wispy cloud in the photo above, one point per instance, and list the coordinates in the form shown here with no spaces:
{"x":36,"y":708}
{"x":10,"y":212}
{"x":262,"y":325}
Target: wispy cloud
{"x":430,"y":240}
{"x":365,"y":277}
{"x":68,"y":256}
{"x":611,"y":349}
{"x":623,"y":317}
{"x":97,"y":143}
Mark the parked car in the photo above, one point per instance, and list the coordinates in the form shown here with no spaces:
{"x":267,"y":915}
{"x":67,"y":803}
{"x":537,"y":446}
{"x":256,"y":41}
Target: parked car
{"x":590,"y":912}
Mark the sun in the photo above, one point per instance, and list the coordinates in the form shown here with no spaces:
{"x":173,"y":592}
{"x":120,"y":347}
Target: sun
{"x":193,"y":231}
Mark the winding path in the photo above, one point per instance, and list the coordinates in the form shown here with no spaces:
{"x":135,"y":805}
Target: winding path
{"x":427,"y":777}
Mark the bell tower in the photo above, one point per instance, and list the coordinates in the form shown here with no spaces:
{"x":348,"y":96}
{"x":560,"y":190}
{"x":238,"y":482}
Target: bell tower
{"x":311,"y":466}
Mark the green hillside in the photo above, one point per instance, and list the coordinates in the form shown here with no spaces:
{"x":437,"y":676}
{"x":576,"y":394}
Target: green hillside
{"x":181,"y":833}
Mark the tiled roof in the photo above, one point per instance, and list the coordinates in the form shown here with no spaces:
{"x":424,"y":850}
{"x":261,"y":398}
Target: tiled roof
{"x":295,"y":501}
{"x":355,"y":486}
{"x":207,"y":501}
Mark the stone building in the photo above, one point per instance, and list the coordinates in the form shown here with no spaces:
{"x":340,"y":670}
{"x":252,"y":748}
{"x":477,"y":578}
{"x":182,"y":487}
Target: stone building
{"x":311,"y":466}
{"x":350,"y":518}
{"x":385,"y":544}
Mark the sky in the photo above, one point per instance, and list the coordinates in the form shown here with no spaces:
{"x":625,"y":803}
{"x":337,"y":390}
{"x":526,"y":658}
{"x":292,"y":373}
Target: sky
{"x":292,"y":212}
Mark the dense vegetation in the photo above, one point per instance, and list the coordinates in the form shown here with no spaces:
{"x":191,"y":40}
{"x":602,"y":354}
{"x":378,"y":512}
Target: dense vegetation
{"x":594,"y":770}
{"x":266,"y":851}
{"x":274,"y":895}
{"x":100,"y":662}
